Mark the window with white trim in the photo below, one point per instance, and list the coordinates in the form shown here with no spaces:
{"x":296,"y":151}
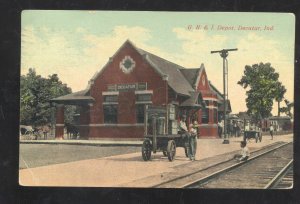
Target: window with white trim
{"x":215,"y":115}
{"x":110,"y":113}
{"x":205,"y":115}
{"x":140,"y":113}
{"x":111,"y":98}
{"x":206,"y":102}
{"x":110,"y":109}
{"x":141,"y":101}
{"x":143,"y":97}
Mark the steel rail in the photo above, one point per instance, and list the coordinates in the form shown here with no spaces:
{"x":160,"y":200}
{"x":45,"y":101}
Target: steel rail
{"x":225,"y":170}
{"x":279,"y":176}
{"x":214,"y":165}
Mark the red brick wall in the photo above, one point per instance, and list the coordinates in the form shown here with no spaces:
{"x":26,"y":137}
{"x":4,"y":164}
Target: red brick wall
{"x":202,"y":87}
{"x":84,"y":132}
{"x":210,"y":130}
{"x":84,"y":115}
{"x":112,"y":74}
{"x":60,"y":114}
{"x":59,"y":128}
{"x":116,"y":132}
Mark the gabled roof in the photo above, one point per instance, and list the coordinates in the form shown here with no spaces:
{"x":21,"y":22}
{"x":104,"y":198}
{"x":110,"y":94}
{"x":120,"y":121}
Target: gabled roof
{"x":180,"y":79}
{"x":163,"y":67}
{"x":279,"y":118}
{"x":75,"y":98}
{"x":191,"y":74}
{"x":194,"y":101}
{"x":216,"y":91}
{"x":176,"y":80}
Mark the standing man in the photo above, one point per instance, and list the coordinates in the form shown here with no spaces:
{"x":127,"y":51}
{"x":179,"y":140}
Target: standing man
{"x":271,"y":131}
{"x":230,"y":128}
{"x":220,"y":129}
{"x":183,"y":131}
{"x":238,"y":129}
{"x":193,"y":140}
{"x":235,"y":128}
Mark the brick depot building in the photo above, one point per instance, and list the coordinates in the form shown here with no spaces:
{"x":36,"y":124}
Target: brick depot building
{"x":113,"y":104}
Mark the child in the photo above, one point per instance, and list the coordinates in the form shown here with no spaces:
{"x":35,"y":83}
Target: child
{"x":245,"y":153}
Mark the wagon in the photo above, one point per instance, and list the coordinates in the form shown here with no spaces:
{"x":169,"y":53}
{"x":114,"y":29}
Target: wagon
{"x":26,"y":130}
{"x":161,"y":134}
{"x":253,"y":134}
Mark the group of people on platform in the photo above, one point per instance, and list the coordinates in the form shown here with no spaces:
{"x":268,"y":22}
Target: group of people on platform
{"x":190,"y":136}
{"x":233,"y":128}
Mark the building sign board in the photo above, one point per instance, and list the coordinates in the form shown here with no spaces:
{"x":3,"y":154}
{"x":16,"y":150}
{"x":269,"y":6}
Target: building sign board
{"x":127,"y":87}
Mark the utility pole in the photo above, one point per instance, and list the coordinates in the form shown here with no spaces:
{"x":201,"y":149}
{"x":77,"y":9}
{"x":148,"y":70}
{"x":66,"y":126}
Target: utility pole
{"x":224,"y":54}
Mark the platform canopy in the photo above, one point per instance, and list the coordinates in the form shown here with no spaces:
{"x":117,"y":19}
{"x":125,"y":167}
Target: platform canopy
{"x":76,"y":98}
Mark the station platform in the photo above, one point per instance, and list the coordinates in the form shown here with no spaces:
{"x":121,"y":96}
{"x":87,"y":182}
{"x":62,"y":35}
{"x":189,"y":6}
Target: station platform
{"x":105,"y":142}
{"x":123,"y":170}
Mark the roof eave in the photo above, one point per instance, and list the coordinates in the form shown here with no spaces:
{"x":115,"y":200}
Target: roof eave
{"x":82,"y":101}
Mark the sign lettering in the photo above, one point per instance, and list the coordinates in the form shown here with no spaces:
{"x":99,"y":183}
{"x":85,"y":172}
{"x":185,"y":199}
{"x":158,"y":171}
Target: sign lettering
{"x":127,"y":87}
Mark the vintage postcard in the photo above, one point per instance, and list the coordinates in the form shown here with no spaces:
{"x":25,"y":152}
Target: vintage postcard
{"x":157,"y":99}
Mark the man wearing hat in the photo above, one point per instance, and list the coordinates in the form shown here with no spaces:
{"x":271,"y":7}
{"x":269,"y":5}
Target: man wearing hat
{"x":193,"y":140}
{"x":182,"y":124}
{"x":183,"y":130}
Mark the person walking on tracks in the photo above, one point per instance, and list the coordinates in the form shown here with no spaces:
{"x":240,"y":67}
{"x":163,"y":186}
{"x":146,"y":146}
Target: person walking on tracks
{"x":193,"y":140}
{"x":271,"y":131}
{"x":245,"y":153}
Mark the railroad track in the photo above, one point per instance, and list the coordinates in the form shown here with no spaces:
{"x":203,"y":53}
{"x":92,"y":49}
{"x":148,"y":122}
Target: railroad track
{"x":262,"y":171}
{"x":284,"y":179}
{"x":257,"y":172}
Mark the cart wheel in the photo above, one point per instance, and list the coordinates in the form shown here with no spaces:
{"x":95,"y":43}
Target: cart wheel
{"x":186,"y":151}
{"x":171,"y":150}
{"x":146,"y":150}
{"x":165,"y":153}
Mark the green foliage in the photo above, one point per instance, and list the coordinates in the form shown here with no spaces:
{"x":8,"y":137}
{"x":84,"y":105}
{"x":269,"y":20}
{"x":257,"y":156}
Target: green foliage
{"x":288,"y":109}
{"x":36,"y":93}
{"x":263,"y":87}
{"x":281,"y":90}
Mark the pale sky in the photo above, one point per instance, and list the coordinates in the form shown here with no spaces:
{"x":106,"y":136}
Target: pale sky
{"x":77,"y":44}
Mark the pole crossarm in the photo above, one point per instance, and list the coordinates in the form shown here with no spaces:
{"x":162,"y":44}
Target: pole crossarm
{"x":224,"y":50}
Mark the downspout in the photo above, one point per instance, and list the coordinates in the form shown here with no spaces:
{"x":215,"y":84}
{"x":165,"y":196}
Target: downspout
{"x":165,"y":78}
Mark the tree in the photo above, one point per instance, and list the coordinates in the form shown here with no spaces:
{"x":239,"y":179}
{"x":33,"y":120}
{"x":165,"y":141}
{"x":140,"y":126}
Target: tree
{"x":56,"y":89}
{"x":261,"y":82}
{"x":281,"y":90}
{"x":36,"y":93}
{"x":288,"y":109}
